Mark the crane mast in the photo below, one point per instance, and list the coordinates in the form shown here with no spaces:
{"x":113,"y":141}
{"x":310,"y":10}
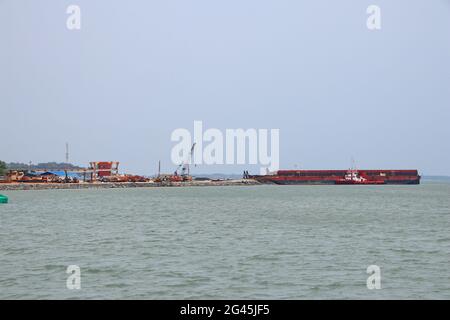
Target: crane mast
{"x":185,"y":165}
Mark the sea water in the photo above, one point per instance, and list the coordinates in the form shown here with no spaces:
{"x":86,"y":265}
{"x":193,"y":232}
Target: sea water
{"x":242,"y":242}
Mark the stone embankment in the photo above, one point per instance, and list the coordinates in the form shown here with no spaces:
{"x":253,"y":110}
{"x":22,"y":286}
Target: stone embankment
{"x":109,"y":185}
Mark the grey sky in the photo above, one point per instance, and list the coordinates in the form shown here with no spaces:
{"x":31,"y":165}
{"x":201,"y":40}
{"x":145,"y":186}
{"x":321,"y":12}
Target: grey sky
{"x":137,"y":70}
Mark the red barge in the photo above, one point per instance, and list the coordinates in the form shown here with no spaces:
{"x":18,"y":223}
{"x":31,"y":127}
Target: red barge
{"x":340,"y":177}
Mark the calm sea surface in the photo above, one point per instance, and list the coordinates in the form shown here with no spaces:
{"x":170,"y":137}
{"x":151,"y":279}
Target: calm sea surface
{"x":262,"y":242}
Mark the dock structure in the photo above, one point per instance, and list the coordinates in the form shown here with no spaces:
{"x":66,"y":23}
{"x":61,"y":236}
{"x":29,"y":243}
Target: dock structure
{"x":110,"y":185}
{"x":96,"y":171}
{"x":100,"y":169}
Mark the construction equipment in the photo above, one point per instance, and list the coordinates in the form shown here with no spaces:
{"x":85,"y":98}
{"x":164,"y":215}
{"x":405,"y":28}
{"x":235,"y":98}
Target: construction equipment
{"x":185,"y":167}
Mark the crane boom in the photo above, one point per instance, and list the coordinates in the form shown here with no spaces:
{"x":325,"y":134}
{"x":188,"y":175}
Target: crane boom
{"x":185,"y":170}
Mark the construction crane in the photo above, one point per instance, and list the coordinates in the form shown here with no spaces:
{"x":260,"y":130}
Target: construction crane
{"x":184,"y":166}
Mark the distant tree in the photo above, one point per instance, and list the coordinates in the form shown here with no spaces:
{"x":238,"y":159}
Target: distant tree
{"x":2,"y":168}
{"x":42,"y":166}
{"x":17,"y":166}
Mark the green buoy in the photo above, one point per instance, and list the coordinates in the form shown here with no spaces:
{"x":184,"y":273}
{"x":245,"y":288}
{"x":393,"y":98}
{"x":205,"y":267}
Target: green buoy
{"x":3,"y":199}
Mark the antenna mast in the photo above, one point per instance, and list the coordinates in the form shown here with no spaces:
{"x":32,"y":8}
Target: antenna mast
{"x":67,"y":152}
{"x":159,"y":168}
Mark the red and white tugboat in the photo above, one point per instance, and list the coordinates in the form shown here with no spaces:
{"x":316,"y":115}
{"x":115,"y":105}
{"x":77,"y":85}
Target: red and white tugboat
{"x":354,"y":177}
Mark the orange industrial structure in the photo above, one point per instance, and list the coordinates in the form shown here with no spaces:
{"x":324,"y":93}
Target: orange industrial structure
{"x":100,"y":169}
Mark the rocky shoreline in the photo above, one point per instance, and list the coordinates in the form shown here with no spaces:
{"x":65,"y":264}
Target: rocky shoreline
{"x":113,"y":185}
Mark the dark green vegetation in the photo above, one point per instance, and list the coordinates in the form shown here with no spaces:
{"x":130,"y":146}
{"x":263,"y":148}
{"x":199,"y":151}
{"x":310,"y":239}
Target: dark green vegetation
{"x":2,"y":168}
{"x":42,"y":166}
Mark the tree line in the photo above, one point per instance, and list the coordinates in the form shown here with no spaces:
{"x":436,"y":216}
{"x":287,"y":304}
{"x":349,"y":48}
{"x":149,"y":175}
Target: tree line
{"x":4,"y":167}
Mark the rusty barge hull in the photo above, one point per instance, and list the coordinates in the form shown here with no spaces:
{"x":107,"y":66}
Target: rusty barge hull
{"x":336,"y":177}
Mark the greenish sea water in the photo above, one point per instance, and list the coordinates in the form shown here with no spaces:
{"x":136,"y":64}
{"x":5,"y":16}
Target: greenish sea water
{"x":261,"y":242}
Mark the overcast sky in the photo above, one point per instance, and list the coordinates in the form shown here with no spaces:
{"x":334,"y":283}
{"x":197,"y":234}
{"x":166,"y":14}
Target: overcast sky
{"x":137,"y":70}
